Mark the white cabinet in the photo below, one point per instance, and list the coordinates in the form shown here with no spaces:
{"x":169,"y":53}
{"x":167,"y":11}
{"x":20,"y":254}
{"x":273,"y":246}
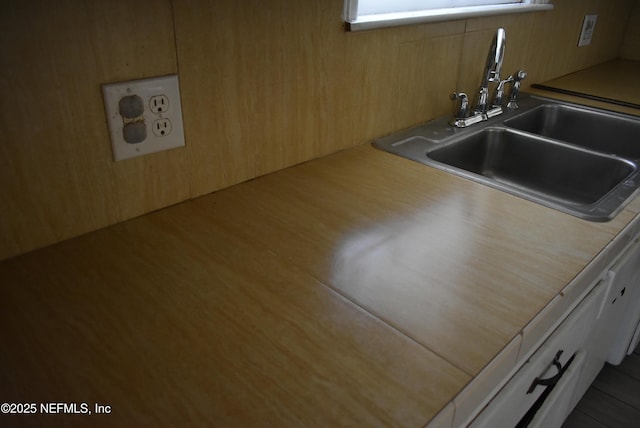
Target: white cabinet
{"x":623,"y":304}
{"x":542,"y":391}
{"x":616,"y":330}
{"x":614,"y":326}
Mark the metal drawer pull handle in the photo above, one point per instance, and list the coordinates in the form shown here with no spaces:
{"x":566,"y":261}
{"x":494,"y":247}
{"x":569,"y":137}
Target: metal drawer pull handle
{"x":551,"y":380}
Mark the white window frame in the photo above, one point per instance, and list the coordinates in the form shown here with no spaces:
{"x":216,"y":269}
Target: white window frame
{"x":370,"y":14}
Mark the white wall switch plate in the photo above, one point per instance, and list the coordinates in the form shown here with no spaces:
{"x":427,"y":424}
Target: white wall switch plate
{"x":588,"y":25}
{"x":144,"y":116}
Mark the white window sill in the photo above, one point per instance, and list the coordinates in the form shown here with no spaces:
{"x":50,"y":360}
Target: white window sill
{"x":369,"y":22}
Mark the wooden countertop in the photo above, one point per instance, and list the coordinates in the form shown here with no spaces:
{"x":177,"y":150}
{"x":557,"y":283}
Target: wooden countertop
{"x":613,"y":85}
{"x":356,"y":289}
{"x":254,"y":305}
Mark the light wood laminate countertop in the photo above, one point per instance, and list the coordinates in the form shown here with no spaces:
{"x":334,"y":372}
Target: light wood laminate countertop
{"x":612,"y":85}
{"x":359,"y":289}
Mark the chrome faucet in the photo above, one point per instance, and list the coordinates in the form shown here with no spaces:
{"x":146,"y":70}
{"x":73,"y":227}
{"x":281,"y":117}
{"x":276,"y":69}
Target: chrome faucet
{"x":484,"y":108}
{"x":492,"y":70}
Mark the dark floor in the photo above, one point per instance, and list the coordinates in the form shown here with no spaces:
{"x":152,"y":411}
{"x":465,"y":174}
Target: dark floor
{"x":613,"y":400}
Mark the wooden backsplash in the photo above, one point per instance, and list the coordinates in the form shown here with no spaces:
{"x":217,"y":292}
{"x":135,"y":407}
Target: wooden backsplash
{"x":265,"y":85}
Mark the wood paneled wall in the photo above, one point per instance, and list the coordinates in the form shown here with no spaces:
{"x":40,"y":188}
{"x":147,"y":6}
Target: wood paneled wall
{"x":631,"y":44}
{"x":57,"y":176}
{"x":264,"y":86}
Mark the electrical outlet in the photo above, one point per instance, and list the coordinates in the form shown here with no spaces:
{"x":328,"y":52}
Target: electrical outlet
{"x":159,"y":104}
{"x":161,"y":127}
{"x":144,"y":116}
{"x":588,"y":25}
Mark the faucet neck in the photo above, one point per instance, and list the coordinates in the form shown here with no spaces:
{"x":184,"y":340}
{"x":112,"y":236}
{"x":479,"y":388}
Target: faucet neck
{"x":495,"y":57}
{"x":492,"y":69}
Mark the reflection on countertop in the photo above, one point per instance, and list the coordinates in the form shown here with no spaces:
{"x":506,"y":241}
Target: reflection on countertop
{"x":614,"y":82}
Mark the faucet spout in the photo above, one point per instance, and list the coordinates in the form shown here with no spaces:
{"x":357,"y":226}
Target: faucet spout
{"x":495,"y":57}
{"x":492,"y":69}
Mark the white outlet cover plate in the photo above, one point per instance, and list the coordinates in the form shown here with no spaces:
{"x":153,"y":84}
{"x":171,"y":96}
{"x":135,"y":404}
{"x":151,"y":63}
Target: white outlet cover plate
{"x":588,"y":25}
{"x":146,"y":89}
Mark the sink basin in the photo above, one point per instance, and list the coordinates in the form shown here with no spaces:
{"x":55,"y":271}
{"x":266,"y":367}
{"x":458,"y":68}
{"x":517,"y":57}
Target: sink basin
{"x":604,"y":132}
{"x":578,"y":160}
{"x":537,"y":166}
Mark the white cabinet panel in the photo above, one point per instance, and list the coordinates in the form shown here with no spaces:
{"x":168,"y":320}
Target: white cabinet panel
{"x":625,"y":303}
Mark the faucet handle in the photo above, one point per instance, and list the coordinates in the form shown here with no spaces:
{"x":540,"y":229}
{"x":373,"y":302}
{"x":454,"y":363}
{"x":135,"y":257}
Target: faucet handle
{"x":515,"y":89}
{"x":519,"y":75}
{"x":463,"y":111}
{"x":497,"y":101}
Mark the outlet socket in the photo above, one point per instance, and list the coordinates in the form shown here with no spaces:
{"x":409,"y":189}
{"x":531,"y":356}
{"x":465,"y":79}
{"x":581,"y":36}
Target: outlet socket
{"x":161,"y":127}
{"x":588,"y":25}
{"x":158,"y":124}
{"x":159,"y":104}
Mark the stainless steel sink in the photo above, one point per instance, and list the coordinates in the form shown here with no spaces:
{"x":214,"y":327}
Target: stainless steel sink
{"x":531,"y":164}
{"x":580,"y":161}
{"x":601,"y":131}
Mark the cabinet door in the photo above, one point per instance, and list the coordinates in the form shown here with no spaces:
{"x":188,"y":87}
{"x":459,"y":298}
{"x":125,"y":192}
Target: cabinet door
{"x":599,"y":342}
{"x":625,"y":305}
{"x":520,"y":394}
